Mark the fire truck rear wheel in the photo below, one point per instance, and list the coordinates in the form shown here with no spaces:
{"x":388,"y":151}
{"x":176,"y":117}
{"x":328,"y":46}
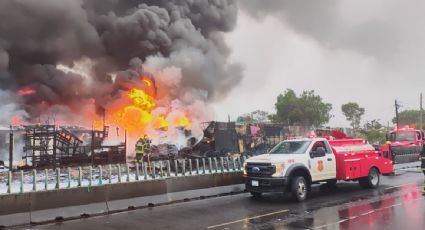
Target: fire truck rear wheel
{"x":299,"y":188}
{"x":372,"y":180}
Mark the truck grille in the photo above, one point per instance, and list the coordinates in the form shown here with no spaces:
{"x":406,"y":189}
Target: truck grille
{"x":405,"y":150}
{"x":260,"y":169}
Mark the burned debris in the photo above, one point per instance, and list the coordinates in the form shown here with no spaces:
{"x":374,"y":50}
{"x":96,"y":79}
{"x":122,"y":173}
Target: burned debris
{"x":221,"y":139}
{"x":51,"y":146}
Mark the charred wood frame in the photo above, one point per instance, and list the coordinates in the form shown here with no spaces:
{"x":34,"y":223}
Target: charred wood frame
{"x":51,"y":146}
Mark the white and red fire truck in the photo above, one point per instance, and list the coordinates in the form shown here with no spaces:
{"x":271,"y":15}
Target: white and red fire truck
{"x":294,"y":165}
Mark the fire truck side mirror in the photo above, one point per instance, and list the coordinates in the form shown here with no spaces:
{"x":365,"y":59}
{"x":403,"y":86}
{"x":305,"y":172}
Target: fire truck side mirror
{"x":387,"y":137}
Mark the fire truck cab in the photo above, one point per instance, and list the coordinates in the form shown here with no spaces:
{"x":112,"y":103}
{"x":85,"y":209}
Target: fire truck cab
{"x":294,"y":165}
{"x":406,"y":136}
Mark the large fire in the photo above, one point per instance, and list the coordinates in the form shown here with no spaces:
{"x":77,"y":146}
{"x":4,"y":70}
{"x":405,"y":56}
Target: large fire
{"x":134,"y":112}
{"x":142,"y":105}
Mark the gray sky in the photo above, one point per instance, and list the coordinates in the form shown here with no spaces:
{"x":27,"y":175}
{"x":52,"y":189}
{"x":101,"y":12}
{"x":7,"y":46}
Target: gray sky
{"x":370,"y":52}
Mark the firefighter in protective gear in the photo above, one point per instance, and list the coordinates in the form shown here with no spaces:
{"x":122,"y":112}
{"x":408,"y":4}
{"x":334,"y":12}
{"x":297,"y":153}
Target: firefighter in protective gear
{"x":142,"y":148}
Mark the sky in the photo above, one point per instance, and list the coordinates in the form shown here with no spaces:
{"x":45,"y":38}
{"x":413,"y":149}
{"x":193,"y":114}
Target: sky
{"x":369,"y":52}
{"x":239,"y":56}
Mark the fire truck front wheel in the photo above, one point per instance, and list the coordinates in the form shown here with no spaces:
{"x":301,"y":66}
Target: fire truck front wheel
{"x":372,"y":180}
{"x":299,"y":188}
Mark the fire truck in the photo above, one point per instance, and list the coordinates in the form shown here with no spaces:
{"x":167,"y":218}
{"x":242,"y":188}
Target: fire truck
{"x":406,"y":144}
{"x":294,"y":165}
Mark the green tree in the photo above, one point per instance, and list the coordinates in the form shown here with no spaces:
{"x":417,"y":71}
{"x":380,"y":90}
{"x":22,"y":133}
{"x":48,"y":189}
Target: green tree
{"x":373,"y":125}
{"x":245,"y":119}
{"x":257,"y":116}
{"x":372,"y":133}
{"x":307,"y":109}
{"x":353,"y":112}
{"x":260,"y":116}
{"x":408,"y":117}
{"x":374,"y":136}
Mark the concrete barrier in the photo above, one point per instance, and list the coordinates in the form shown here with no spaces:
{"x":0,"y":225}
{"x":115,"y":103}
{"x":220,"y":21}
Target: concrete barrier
{"x":15,"y":209}
{"x":33,"y":207}
{"x":68,"y":212}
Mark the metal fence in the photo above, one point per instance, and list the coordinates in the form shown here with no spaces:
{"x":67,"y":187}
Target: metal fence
{"x":71,"y":177}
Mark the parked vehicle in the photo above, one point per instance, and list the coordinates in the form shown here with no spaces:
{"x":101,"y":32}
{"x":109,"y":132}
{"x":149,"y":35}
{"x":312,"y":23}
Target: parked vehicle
{"x":406,"y":144}
{"x":294,"y":165}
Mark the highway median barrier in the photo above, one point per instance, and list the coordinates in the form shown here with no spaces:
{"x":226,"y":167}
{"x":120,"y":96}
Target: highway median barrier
{"x":66,"y":197}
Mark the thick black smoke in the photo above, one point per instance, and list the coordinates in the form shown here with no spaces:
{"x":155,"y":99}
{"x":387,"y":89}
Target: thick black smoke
{"x":36,"y":36}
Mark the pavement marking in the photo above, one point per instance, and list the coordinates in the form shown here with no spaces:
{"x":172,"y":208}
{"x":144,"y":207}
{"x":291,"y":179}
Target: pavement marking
{"x":248,"y":218}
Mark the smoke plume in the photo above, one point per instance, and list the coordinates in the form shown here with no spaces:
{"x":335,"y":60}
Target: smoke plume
{"x":64,"y":57}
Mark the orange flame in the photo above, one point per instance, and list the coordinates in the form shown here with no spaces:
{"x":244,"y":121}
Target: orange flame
{"x":133,"y":112}
{"x":16,"y":120}
{"x":147,"y":82}
{"x":183,"y":122}
{"x":26,"y":91}
{"x":132,"y":118}
{"x":141,"y":99}
{"x":161,"y":123}
{"x":97,"y":124}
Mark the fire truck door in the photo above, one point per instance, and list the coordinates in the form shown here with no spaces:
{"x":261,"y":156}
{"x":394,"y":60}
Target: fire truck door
{"x":322,"y":167}
{"x":330,"y":163}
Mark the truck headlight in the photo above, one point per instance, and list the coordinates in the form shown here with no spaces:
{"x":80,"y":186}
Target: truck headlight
{"x":244,"y":168}
{"x":279,"y":169}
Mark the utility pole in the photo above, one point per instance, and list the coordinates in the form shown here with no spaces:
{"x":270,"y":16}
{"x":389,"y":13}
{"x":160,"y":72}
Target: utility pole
{"x":420,"y":114}
{"x":11,"y":139}
{"x":396,"y":113}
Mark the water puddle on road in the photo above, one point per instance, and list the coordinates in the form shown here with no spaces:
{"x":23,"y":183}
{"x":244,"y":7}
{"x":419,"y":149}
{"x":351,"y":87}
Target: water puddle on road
{"x":404,"y":209}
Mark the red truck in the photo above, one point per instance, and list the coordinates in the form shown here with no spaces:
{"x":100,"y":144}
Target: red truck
{"x":294,"y":165}
{"x":406,"y":144}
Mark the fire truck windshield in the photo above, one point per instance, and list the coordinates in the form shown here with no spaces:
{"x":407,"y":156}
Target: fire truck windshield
{"x":403,"y":136}
{"x":290,"y":147}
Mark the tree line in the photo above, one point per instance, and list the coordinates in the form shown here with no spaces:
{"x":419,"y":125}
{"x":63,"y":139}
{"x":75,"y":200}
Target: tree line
{"x":309,"y":109}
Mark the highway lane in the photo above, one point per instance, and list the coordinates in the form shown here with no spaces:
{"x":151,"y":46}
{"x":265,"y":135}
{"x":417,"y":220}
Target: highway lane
{"x":398,"y":203}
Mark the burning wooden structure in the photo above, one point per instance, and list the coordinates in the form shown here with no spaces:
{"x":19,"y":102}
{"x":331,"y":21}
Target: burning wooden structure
{"x":52,"y":146}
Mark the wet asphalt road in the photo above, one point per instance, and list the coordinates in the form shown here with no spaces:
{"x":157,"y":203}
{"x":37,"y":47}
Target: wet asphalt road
{"x":398,"y":203}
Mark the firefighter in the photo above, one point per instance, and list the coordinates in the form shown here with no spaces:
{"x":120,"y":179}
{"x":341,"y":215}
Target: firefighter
{"x":142,"y":148}
{"x":139,"y":150}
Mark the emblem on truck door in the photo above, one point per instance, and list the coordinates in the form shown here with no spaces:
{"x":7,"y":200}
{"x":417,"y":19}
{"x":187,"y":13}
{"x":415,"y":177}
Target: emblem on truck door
{"x":320,"y":165}
{"x":255,"y":169}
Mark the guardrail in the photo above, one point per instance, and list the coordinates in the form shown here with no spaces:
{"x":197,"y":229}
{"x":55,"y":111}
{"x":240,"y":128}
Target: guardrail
{"x":76,"y":177}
